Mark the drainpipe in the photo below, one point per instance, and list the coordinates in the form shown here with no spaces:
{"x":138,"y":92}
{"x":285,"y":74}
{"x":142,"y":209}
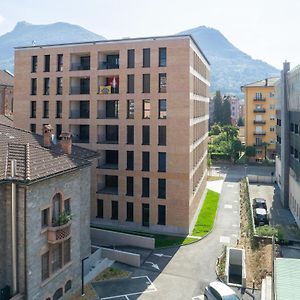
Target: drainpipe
{"x":14,"y":228}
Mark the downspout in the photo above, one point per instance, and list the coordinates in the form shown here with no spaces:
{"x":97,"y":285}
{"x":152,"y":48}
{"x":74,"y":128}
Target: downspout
{"x":14,"y":228}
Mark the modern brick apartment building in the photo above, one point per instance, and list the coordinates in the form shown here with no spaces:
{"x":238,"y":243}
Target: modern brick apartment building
{"x":143,"y":104}
{"x":41,"y":185}
{"x":260,"y":117}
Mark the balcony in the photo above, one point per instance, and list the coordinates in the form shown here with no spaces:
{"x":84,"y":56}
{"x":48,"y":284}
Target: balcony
{"x":108,"y":109}
{"x":109,"y":160}
{"x":80,"y":133}
{"x":259,"y":110}
{"x":108,"y":134}
{"x":58,"y":234}
{"x":259,"y":133}
{"x":108,"y":191}
{"x":76,"y":90}
{"x":259,"y":122}
{"x":108,"y":85}
{"x":80,"y":62}
{"x":79,"y":110}
{"x":259,"y":99}
{"x":108,"y":60}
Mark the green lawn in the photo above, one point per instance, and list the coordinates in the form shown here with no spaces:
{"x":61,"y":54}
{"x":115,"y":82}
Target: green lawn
{"x":161,"y":240}
{"x":206,"y":217}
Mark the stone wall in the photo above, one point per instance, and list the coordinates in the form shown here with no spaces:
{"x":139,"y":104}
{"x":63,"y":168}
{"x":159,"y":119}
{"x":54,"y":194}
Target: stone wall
{"x":2,"y":236}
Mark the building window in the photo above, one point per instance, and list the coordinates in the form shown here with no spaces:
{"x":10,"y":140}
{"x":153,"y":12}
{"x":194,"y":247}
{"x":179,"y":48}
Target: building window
{"x":68,"y":286}
{"x":112,"y":134}
{"x":162,"y":161}
{"x":112,"y":109}
{"x":129,"y":215}
{"x":162,"y":57}
{"x":162,"y":188}
{"x":33,"y":86}
{"x":58,"y":294}
{"x":130,"y":58}
{"x":56,"y":262}
{"x":129,"y":185}
{"x":272,"y":129}
{"x":59,"y":86}
{"x":296,"y":154}
{"x":146,"y":83}
{"x":58,"y":109}
{"x":272,"y":118}
{"x":130,"y":109}
{"x":67,"y":251}
{"x":146,"y":135}
{"x":33,"y":128}
{"x":130,"y":160}
{"x":146,"y":58}
{"x":161,"y":215}
{"x":67,"y":206}
{"x":99,"y":208}
{"x":47,"y":63}
{"x":45,"y":266}
{"x":162,"y":108}
{"x":32,"y":109}
{"x":296,"y":129}
{"x":130,"y":134}
{"x":114,"y":210}
{"x":146,"y":109}
{"x":46,"y":86}
{"x":58,"y":131}
{"x":162,"y":135}
{"x":146,"y":161}
{"x":45,"y":109}
{"x":162,"y":82}
{"x":258,"y":95}
{"x":145,"y":187}
{"x":34,"y":60}
{"x":45,"y":217}
{"x":60,"y":62}
{"x":130,"y":83}
{"x":292,"y":127}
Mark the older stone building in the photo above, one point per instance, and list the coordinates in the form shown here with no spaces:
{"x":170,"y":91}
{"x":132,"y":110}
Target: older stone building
{"x":6,"y":93}
{"x":44,"y":214}
{"x":143,"y":104}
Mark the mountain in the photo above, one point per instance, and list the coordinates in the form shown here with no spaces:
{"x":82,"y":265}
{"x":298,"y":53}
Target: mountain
{"x":25,"y":33}
{"x":230,"y":67}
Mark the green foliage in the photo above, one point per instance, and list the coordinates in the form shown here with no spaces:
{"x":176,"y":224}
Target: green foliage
{"x":206,"y":217}
{"x":268,"y":230}
{"x":218,"y":107}
{"x":64,"y":218}
{"x":240,"y":122}
{"x":250,"y":151}
{"x":215,"y":129}
{"x":226,"y":113}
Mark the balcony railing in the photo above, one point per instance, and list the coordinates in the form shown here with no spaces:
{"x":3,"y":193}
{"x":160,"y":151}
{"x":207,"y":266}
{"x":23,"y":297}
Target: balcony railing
{"x":108,"y":190}
{"x":259,"y":110}
{"x":259,"y":133}
{"x":108,"y":166}
{"x":77,"y":114}
{"x":259,"y":99}
{"x":76,"y":90}
{"x":259,"y":122}
{"x":58,"y":234}
{"x":107,"y":65}
{"x":79,"y":66}
{"x":107,"y":89}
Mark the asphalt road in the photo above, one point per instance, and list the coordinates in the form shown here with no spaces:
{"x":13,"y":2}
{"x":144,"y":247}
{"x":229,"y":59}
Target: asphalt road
{"x":183,"y":273}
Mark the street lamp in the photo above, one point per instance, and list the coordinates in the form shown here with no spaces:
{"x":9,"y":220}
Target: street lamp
{"x":82,"y":275}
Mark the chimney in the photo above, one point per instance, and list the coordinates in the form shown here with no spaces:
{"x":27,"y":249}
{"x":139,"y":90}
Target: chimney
{"x":47,"y":135}
{"x":66,"y":142}
{"x":266,"y":80}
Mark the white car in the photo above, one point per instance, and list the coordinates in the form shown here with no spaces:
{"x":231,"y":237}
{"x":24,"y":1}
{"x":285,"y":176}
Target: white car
{"x":219,"y":291}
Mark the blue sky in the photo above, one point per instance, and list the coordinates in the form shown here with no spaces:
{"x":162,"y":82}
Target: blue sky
{"x":264,"y":29}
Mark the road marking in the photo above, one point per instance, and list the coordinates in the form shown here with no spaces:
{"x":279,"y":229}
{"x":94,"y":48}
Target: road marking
{"x":235,"y":201}
{"x":230,"y":185}
{"x":225,"y":239}
{"x":235,"y":211}
{"x":150,"y":289}
{"x":153,"y":265}
{"x":235,"y":225}
{"x":228,"y":206}
{"x":201,"y":297}
{"x":162,"y":255}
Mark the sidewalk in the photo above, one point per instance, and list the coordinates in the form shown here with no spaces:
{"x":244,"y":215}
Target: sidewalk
{"x":215,"y":185}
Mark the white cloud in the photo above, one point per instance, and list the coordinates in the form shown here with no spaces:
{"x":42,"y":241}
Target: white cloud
{"x":1,"y":19}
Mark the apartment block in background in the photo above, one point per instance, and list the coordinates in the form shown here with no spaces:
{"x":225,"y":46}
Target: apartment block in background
{"x":288,"y":139}
{"x":41,"y":185}
{"x":260,"y":118}
{"x":143,"y":105}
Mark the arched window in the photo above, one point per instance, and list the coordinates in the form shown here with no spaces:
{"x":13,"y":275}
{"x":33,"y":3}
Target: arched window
{"x":68,"y":285}
{"x":58,"y":294}
{"x":56,"y":208}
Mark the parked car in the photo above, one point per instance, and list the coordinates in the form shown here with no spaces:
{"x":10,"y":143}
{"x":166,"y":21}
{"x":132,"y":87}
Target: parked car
{"x":260,"y":217}
{"x":259,"y":203}
{"x":217,"y":290}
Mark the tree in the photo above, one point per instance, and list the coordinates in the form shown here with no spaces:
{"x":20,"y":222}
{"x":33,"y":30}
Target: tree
{"x":240,"y":122}
{"x":231,"y":132}
{"x":218,"y":107}
{"x":236,"y":147}
{"x":250,"y":151}
{"x":265,"y":145}
{"x":216,"y":129}
{"x":226,"y":113}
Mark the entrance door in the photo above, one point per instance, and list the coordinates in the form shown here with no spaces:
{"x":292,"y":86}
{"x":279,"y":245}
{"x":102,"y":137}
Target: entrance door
{"x":145,"y":214}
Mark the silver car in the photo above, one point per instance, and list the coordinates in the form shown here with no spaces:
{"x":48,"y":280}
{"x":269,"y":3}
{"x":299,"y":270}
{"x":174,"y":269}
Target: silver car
{"x":219,"y":291}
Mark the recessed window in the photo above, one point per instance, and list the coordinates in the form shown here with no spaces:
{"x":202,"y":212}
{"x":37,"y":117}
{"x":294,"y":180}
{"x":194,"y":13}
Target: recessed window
{"x":130,"y":160}
{"x":146,"y":135}
{"x":32,"y":109}
{"x":58,"y":131}
{"x":45,"y":266}
{"x":46,"y":109}
{"x":162,"y":108}
{"x":130,"y":134}
{"x":129,"y":185}
{"x":146,"y":109}
{"x":59,"y":86}
{"x":162,"y":57}
{"x":34,"y":60}
{"x":58,"y":294}
{"x":130,"y":109}
{"x":68,"y":285}
{"x":145,"y":187}
{"x":130,"y":58}
{"x":162,"y":82}
{"x":161,"y":215}
{"x":146,"y":83}
{"x":67,"y":251}
{"x":33,"y":86}
{"x":130,"y":83}
{"x":99,"y":208}
{"x":60,"y":62}
{"x":56,"y":262}
{"x":33,"y":128}
{"x":129,"y":212}
{"x":162,"y":135}
{"x":46,"y":86}
{"x":162,"y":188}
{"x":58,"y":109}
{"x":296,"y":128}
{"x":162,"y":161}
{"x":146,"y":161}
{"x":45,"y":217}
{"x":114,"y":210}
{"x":47,"y":63}
{"x":146,"y":57}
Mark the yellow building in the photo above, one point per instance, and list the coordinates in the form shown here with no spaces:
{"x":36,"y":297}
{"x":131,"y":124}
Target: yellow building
{"x":260,"y":117}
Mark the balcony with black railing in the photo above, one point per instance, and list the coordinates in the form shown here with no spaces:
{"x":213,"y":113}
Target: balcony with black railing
{"x":259,"y":110}
{"x":108,"y":60}
{"x":259,"y":122}
{"x":80,"y":61}
{"x":259,"y":133}
{"x":79,"y":85}
{"x":259,"y":99}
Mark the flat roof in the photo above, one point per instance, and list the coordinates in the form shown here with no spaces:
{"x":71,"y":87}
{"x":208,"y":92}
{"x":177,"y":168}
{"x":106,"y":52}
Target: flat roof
{"x":118,"y":41}
{"x":287,"y":278}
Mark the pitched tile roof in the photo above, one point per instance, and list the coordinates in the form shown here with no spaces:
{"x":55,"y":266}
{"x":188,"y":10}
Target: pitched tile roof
{"x":35,"y":162}
{"x":6,"y":120}
{"x":6,"y":78}
{"x":264,"y":82}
